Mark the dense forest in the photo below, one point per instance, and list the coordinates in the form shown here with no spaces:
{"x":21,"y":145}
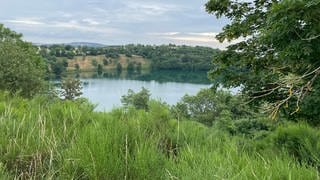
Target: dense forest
{"x":268,"y":131}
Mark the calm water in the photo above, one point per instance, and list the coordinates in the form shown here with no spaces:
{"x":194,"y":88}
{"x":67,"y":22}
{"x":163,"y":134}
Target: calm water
{"x":168,"y":86}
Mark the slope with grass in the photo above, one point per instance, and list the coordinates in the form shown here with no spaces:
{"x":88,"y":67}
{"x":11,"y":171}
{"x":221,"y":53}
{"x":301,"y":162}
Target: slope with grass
{"x":89,"y":63}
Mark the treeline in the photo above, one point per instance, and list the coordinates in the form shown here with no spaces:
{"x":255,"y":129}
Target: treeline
{"x":164,"y":57}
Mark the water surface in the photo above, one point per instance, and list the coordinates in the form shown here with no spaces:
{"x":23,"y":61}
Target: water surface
{"x":168,"y":86}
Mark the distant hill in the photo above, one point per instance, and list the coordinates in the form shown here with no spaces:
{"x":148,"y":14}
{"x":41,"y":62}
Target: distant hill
{"x":76,"y":44}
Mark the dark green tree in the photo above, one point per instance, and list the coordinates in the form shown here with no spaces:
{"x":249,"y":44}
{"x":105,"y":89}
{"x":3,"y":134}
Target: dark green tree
{"x":21,"y":67}
{"x":276,"y":59}
{"x":105,"y":61}
{"x":77,"y":67}
{"x":94,"y":62}
{"x":100,"y":69}
{"x":119,"y":68}
{"x":59,"y":67}
{"x":130,"y":67}
{"x":139,"y":67}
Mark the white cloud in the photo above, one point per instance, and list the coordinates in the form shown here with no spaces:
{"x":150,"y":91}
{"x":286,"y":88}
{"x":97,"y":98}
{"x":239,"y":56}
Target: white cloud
{"x":91,"y":21}
{"x":188,"y":36}
{"x":73,"y":24}
{"x":64,"y":14}
{"x":164,"y":34}
{"x":112,"y":21}
{"x":136,"y":11}
{"x":25,"y":21}
{"x":153,"y":9}
{"x":212,"y":34}
{"x":191,"y":38}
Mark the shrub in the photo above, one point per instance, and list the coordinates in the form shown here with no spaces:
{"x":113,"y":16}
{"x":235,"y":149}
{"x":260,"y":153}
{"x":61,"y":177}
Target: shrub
{"x":94,"y":62}
{"x":206,"y":107}
{"x":130,"y":67}
{"x":119,"y":68}
{"x":99,"y":69}
{"x":251,"y":126}
{"x":299,"y":140}
{"x":105,"y":61}
{"x":71,"y":88}
{"x":77,"y":67}
{"x":138,"y":100}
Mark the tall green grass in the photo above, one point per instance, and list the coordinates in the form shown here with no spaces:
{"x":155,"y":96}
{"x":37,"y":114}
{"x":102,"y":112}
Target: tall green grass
{"x":45,"y":138}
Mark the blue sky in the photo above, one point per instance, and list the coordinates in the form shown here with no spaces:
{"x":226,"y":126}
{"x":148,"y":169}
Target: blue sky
{"x":112,"y":22}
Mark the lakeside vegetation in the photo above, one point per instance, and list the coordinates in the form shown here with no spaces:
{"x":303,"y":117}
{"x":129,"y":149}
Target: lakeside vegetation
{"x":268,"y":131}
{"x":47,"y":138}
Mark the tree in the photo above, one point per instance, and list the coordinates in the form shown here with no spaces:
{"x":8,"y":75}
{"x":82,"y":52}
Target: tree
{"x":94,"y":62}
{"x":139,"y":67}
{"x":208,"y":106}
{"x":59,"y":66}
{"x":22,"y":69}
{"x":105,"y":61}
{"x":70,"y":88}
{"x":130,"y":67}
{"x":6,"y":35}
{"x":77,"y":67}
{"x":138,"y":100}
{"x":99,"y":69}
{"x":119,"y":68}
{"x":276,"y":59}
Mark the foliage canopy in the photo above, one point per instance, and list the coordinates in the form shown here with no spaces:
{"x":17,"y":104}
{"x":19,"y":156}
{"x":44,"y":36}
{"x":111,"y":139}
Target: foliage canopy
{"x":138,"y":100}
{"x":22,"y":69}
{"x":277,"y":57}
{"x":71,"y":88}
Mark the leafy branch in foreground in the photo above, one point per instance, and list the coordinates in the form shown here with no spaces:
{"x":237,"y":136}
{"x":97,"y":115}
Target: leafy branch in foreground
{"x":276,"y":60}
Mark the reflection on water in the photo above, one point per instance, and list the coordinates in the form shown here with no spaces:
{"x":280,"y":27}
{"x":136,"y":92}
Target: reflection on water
{"x":199,"y":77}
{"x":106,"y":89}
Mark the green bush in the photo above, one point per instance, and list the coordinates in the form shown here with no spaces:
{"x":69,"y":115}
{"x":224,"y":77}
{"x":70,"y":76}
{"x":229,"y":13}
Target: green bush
{"x":138,"y":100}
{"x":299,"y":140}
{"x":130,"y":67}
{"x":251,"y":127}
{"x":119,"y":68}
{"x":100,"y":69}
{"x":94,"y":62}
{"x":207,"y":106}
{"x":105,"y":62}
{"x":70,"y":88}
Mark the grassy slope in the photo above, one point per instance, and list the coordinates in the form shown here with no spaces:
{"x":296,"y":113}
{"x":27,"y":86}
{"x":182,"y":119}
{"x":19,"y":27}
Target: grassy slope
{"x":85,"y":63}
{"x":47,"y":138}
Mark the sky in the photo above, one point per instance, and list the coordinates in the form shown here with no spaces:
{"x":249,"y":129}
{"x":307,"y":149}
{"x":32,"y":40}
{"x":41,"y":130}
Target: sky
{"x":113,"y":22}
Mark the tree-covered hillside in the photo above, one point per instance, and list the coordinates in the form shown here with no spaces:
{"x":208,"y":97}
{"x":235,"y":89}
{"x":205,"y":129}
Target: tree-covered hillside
{"x":164,"y":57}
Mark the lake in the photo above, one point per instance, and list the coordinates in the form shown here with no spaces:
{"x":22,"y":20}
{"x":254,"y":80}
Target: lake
{"x":105,"y":90}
